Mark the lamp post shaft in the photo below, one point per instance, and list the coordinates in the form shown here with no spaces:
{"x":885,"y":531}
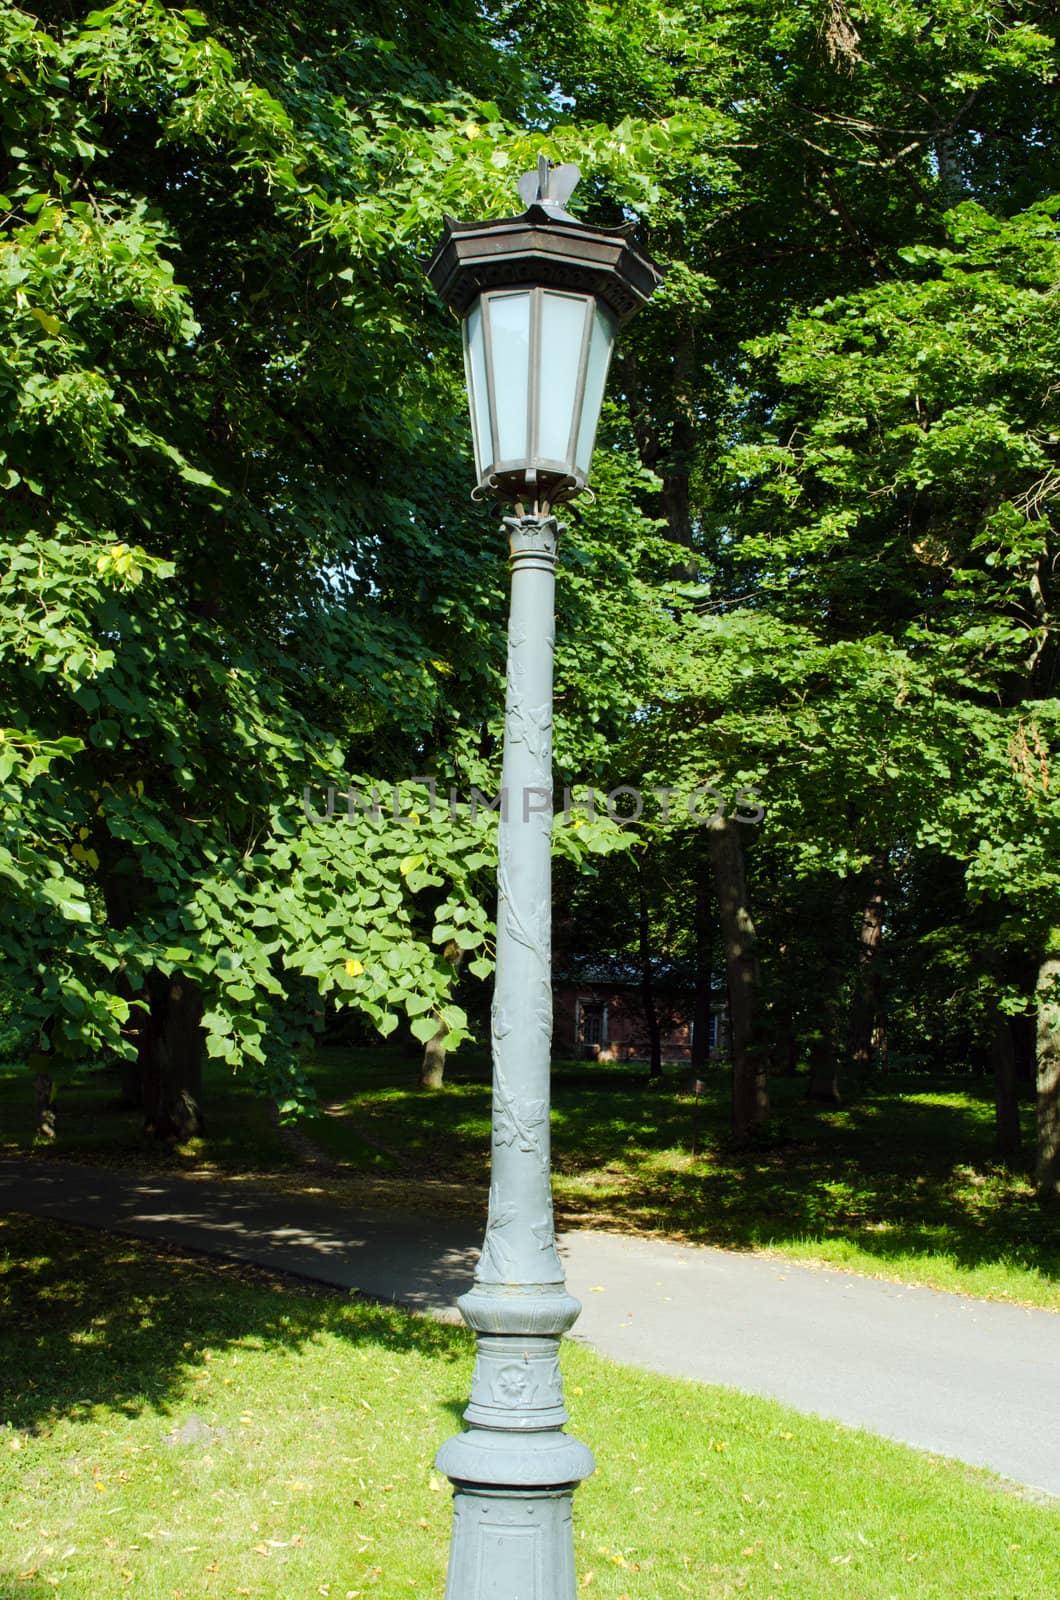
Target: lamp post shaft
{"x":514,"y":1471}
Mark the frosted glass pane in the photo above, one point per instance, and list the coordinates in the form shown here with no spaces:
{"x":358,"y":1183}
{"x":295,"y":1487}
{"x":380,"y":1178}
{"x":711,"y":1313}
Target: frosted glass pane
{"x":475,"y":366}
{"x":599,"y":356}
{"x":562,"y":327}
{"x":510,"y":326}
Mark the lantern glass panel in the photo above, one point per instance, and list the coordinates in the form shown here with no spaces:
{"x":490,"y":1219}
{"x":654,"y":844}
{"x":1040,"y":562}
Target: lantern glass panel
{"x":563,"y":318}
{"x":601,"y":340}
{"x":478,"y":391}
{"x":509,"y":318}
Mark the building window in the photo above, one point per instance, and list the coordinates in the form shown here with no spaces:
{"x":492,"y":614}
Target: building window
{"x":713,"y":1032}
{"x":590,"y":1023}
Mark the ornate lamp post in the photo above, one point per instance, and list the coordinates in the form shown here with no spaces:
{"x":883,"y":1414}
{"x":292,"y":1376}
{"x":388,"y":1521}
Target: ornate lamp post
{"x":541,"y":297}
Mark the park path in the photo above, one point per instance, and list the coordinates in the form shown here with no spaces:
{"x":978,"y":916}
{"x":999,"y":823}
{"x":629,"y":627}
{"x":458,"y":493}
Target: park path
{"x":960,"y":1377}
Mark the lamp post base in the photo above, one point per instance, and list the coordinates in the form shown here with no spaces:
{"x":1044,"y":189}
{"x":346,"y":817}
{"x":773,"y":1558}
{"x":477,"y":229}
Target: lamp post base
{"x":514,"y":1471}
{"x":513,"y":1537}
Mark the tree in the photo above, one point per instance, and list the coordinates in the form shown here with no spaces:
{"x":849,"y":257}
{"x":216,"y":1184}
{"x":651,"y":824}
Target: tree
{"x":915,"y":456}
{"x":231,"y":452}
{"x":244,"y":602}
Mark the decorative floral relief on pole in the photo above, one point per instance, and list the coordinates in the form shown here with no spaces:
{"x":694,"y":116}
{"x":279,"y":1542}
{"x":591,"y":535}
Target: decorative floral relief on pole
{"x":513,"y":1385}
{"x":530,"y":725}
{"x":537,"y":938}
{"x":545,"y":1230}
{"x":514,"y":1119}
{"x":496,"y":1253}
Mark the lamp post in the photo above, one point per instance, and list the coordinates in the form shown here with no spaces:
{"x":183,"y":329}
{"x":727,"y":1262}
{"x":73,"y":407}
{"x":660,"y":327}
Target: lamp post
{"x":541,"y":297}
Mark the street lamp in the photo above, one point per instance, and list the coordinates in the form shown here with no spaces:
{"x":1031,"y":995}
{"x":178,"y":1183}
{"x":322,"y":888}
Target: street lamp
{"x":541,"y":297}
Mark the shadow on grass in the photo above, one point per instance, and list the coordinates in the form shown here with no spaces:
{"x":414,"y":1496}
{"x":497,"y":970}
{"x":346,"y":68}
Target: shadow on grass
{"x":906,"y":1173}
{"x":375,"y":1117}
{"x":94,"y":1125}
{"x":15,"y":1583}
{"x":905,"y":1168}
{"x":89,"y":1320}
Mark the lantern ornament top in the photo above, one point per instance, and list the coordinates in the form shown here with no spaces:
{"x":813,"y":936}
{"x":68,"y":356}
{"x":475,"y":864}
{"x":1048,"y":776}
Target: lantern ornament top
{"x":541,"y":297}
{"x":550,"y":187}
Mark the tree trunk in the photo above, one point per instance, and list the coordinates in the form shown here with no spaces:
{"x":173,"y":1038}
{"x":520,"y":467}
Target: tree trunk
{"x":823,"y":1048}
{"x":432,"y":1067}
{"x":783,"y":1040}
{"x":44,"y":1102}
{"x":701,"y":1007}
{"x":750,"y":1088}
{"x":951,"y":178}
{"x":1024,"y":1044}
{"x":1047,"y":1172}
{"x":780,"y":1008}
{"x":1006,"y":1101}
{"x":170,"y":1060}
{"x":865,"y":1031}
{"x":823,"y":1042}
{"x":647,"y":983}
{"x":831,"y":912}
{"x":131,"y":1093}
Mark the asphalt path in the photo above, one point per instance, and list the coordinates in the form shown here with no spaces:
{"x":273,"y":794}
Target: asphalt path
{"x":974,"y":1379}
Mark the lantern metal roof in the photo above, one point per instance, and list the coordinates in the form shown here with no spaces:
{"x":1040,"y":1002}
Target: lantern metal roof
{"x":546,"y":246}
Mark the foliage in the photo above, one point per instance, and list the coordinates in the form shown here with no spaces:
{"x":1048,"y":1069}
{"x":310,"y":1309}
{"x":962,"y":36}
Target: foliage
{"x":847,"y":396}
{"x":228,"y":441}
{"x":233,"y":447}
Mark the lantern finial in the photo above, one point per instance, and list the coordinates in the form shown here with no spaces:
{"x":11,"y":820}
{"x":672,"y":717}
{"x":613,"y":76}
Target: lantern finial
{"x":550,"y":187}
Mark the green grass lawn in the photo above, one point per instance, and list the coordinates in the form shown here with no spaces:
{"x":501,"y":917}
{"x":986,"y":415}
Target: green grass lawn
{"x":308,"y":1470}
{"x":900,"y":1181}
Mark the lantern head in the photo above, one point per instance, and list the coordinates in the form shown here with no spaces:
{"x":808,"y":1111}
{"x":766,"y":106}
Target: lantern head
{"x":541,"y":297}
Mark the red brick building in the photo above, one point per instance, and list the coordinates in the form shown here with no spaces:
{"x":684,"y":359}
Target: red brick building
{"x":599,"y":1015}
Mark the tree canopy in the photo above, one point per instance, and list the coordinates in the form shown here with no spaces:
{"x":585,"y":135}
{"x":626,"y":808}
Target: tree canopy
{"x":242,"y":572}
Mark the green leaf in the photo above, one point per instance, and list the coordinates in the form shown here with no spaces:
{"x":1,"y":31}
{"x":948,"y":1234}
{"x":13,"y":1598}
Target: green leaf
{"x":105,"y":733}
{"x":425,"y":1028}
{"x":47,"y":320}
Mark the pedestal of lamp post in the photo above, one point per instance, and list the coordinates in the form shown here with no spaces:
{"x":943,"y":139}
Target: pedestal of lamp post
{"x":514,"y":1471}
